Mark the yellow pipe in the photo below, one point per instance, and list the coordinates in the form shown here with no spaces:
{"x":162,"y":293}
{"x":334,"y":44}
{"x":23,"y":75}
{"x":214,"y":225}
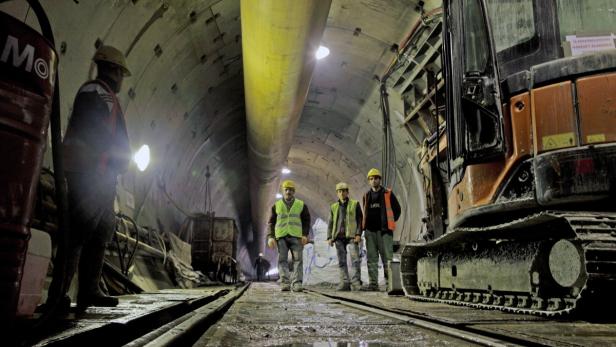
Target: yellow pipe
{"x":279,"y":39}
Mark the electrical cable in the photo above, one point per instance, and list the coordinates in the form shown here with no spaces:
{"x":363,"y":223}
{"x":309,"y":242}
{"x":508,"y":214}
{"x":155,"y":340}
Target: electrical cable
{"x":163,"y":188}
{"x":134,"y":251}
{"x":120,"y":254}
{"x":61,"y":192}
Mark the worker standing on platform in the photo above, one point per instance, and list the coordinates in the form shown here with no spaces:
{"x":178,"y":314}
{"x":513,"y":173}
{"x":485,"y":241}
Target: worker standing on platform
{"x":96,"y":151}
{"x":289,"y":224}
{"x":381,"y":211}
{"x":344,"y":231}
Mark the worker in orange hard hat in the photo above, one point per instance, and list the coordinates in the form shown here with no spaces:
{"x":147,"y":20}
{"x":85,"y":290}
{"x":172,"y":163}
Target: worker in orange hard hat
{"x":289,"y":225}
{"x":344,"y":231}
{"x":96,"y":150}
{"x":381,"y":211}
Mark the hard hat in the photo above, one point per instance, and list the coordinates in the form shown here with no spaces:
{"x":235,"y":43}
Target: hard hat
{"x":111,"y":55}
{"x":288,"y":184}
{"x":260,"y":254}
{"x":341,"y":186}
{"x":374,"y":172}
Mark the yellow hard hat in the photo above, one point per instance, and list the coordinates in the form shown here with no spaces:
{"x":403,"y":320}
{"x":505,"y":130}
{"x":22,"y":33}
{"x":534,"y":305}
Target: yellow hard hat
{"x":111,"y":55}
{"x":374,"y":172}
{"x":341,"y":186}
{"x":288,"y":184}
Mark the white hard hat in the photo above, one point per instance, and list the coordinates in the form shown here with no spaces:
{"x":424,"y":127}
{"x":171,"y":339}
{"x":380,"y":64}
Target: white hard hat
{"x":112,"y":55}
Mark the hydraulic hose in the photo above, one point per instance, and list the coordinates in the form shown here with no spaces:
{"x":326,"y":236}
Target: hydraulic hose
{"x":56,"y":147}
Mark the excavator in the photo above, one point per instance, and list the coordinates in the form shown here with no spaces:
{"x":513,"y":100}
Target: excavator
{"x":520,"y":180}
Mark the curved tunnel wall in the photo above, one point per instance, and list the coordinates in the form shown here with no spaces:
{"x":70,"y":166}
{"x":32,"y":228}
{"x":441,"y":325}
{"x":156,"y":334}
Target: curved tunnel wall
{"x":186,"y":100}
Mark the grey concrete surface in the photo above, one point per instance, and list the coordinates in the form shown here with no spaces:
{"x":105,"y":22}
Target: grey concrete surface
{"x":266,"y":317}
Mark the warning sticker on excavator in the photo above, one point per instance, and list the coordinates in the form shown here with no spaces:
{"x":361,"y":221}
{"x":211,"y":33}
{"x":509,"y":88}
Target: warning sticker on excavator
{"x":557,"y":141}
{"x":595,"y":138}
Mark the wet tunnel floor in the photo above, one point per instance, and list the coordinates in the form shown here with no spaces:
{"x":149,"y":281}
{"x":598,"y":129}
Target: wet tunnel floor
{"x":264,"y":316}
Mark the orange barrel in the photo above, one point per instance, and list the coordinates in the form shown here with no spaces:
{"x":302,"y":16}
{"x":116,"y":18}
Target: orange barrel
{"x":28,"y":66}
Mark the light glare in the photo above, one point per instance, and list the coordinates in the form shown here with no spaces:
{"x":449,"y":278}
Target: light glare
{"x":278,"y":196}
{"x":322,"y":52}
{"x":142,"y":157}
{"x":285,"y":171}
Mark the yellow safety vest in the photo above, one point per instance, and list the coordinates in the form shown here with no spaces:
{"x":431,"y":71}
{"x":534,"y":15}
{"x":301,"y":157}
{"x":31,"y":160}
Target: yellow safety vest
{"x":351,"y":219}
{"x":288,"y":222}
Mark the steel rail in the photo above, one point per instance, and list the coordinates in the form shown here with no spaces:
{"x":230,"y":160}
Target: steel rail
{"x":410,"y":319}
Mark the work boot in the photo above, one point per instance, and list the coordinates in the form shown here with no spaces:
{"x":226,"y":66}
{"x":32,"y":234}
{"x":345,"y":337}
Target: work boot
{"x":65,"y":265}
{"x":62,"y":307}
{"x":355,"y":286}
{"x":90,"y":270}
{"x":285,"y":287}
{"x":343,"y":287}
{"x":297,"y":287}
{"x":371,"y":288}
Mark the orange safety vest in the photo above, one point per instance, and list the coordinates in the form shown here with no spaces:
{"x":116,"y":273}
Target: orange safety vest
{"x":389,"y":212}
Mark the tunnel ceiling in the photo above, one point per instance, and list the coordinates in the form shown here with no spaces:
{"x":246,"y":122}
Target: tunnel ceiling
{"x":186,"y":98}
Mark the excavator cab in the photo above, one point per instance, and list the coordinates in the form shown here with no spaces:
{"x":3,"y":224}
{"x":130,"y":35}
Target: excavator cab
{"x":521,"y":78}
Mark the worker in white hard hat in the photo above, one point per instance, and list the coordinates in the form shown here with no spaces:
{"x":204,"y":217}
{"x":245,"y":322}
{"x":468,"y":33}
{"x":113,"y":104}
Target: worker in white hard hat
{"x":289,"y":225}
{"x":381,"y":211}
{"x":344,"y":231}
{"x":96,"y":150}
{"x":261,"y":267}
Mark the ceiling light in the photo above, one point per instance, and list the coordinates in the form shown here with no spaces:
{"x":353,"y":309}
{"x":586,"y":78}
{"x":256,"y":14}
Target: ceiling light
{"x":285,"y":171}
{"x":322,"y":52}
{"x":142,"y":157}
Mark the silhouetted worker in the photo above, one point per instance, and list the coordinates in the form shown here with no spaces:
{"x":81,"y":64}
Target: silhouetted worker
{"x":261,"y":267}
{"x":381,"y":211}
{"x":96,"y":151}
{"x":344,"y":231}
{"x":288,"y":225}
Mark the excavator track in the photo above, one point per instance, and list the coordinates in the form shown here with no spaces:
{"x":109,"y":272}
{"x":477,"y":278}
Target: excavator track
{"x":568,"y":258}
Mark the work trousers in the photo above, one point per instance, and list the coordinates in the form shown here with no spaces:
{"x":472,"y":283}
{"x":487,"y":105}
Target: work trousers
{"x":92,"y":223}
{"x":341,"y":249}
{"x":295,"y":245}
{"x":378,"y":243}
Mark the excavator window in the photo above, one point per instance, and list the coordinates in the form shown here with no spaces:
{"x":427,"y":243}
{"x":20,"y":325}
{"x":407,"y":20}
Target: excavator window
{"x":476,"y":51}
{"x":513,"y":23}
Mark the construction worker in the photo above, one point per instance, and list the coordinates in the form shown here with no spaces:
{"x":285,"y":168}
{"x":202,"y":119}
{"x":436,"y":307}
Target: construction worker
{"x":96,"y":150}
{"x":289,"y":224}
{"x":344,"y":230}
{"x":261,"y":267}
{"x":381,"y":211}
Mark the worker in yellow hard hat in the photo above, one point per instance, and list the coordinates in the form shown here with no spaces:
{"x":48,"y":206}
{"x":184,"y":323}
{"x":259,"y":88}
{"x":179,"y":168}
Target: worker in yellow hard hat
{"x":381,"y":211}
{"x":344,"y":231}
{"x":96,"y":150}
{"x":289,"y":225}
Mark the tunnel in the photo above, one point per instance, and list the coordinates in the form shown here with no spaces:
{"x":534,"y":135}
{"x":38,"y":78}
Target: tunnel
{"x":187,"y":100}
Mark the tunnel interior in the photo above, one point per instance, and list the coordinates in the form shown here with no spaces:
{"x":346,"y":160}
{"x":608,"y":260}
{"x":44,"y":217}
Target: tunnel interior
{"x":186,"y":100}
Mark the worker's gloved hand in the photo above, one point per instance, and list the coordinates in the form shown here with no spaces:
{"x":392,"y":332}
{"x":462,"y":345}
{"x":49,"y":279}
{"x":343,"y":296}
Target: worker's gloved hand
{"x":330,"y":242}
{"x":304,"y":240}
{"x":357,"y":238}
{"x":271,"y":243}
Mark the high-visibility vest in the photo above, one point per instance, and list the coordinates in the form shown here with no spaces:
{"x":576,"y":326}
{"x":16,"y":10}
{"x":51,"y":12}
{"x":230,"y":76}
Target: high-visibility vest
{"x":350,"y":222}
{"x":389,"y":212}
{"x":288,"y":221}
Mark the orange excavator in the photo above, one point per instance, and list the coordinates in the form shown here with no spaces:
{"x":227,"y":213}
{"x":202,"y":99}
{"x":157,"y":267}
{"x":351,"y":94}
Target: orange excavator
{"x":520,"y":181}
